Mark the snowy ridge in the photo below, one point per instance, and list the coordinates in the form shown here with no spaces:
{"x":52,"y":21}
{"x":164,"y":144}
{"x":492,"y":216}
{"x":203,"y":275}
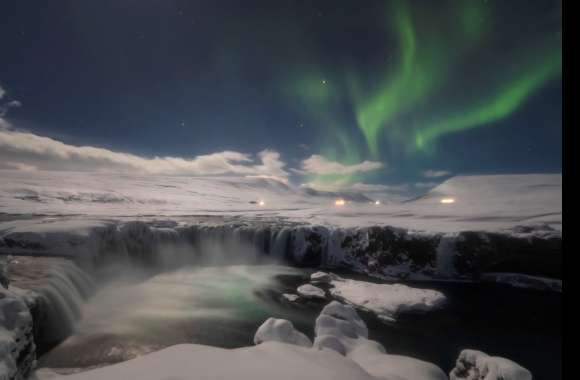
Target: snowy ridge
{"x":481,"y":203}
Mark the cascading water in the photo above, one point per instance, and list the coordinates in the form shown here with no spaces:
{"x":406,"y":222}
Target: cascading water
{"x":216,"y":305}
{"x":279,"y":245}
{"x":59,"y":289}
{"x":66,"y":289}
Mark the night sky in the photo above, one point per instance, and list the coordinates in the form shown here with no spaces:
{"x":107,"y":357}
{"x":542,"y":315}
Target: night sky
{"x":427,"y":89}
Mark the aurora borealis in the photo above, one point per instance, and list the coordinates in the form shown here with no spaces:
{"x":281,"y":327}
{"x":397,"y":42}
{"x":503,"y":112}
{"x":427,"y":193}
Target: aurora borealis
{"x":425,"y":66}
{"x":465,"y":86}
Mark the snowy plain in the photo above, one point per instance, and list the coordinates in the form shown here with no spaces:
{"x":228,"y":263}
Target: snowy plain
{"x":480,"y":203}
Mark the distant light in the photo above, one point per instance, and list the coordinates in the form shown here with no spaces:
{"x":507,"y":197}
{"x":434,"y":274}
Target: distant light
{"x":447,"y":200}
{"x":324,"y":81}
{"x":339,"y":202}
{"x":377,"y":203}
{"x":261,"y":203}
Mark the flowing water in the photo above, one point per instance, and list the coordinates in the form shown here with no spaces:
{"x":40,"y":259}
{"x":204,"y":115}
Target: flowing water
{"x":224,"y":305}
{"x":220,"y":306}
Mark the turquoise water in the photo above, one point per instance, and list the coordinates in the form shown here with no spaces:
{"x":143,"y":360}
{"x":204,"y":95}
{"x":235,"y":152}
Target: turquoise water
{"x":223,"y":306}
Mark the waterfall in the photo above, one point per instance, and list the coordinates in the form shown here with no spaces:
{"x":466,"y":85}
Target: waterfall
{"x":335,"y":256}
{"x":446,"y":255}
{"x":279,"y":243}
{"x":62,"y":293}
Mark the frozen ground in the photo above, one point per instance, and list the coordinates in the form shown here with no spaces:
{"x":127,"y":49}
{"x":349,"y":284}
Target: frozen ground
{"x":480,"y":202}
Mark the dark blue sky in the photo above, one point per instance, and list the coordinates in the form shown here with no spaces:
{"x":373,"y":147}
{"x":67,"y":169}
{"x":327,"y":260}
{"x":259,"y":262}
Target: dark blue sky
{"x":183,"y":78}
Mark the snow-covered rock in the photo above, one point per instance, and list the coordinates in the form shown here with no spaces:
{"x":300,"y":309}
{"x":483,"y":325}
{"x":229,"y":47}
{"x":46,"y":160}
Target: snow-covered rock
{"x":322,"y":277}
{"x":17,"y":348}
{"x":386,"y":301}
{"x":280,"y":330}
{"x":290,"y":297}
{"x":476,"y":365}
{"x":339,"y":328}
{"x":519,"y":280}
{"x":311,"y":291}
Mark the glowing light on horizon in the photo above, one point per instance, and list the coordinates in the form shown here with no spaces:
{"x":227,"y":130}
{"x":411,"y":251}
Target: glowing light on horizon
{"x":261,"y":203}
{"x":447,"y":200}
{"x":339,"y":202}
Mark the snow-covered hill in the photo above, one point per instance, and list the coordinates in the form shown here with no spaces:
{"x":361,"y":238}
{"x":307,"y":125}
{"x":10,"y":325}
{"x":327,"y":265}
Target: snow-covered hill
{"x":537,"y":196}
{"x":479,"y":202}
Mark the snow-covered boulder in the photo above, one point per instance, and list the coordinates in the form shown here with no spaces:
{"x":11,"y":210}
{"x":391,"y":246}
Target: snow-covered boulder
{"x":340,"y":328}
{"x":311,"y":291}
{"x":323,"y":277}
{"x":280,"y":330}
{"x":387,"y":301}
{"x":477,"y":365}
{"x":17,"y":348}
{"x":290,"y":297}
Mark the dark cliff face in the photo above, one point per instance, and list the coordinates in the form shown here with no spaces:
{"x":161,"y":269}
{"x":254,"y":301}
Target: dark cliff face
{"x":379,"y":251}
{"x":378,"y":248}
{"x":479,"y":252}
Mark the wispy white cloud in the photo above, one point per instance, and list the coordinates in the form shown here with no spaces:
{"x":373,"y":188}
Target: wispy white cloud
{"x":425,"y":185}
{"x":304,"y":146}
{"x":45,"y":153}
{"x":17,"y":166}
{"x":358,"y":187}
{"x":320,"y":165}
{"x":435,"y":173}
{"x":4,"y":107}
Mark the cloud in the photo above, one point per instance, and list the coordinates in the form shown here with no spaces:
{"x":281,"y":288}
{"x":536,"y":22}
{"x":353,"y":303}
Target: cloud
{"x":4,"y":107}
{"x":357,"y":187}
{"x":317,"y":164}
{"x":340,"y":186}
{"x":272,"y":166}
{"x":435,"y":173}
{"x":18,"y":166}
{"x":44,"y":153}
{"x":425,"y":185}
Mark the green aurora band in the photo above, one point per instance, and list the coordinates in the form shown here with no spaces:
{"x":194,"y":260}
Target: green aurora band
{"x":504,"y":103}
{"x":419,"y":98}
{"x":422,"y":71}
{"x":398,"y":91}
